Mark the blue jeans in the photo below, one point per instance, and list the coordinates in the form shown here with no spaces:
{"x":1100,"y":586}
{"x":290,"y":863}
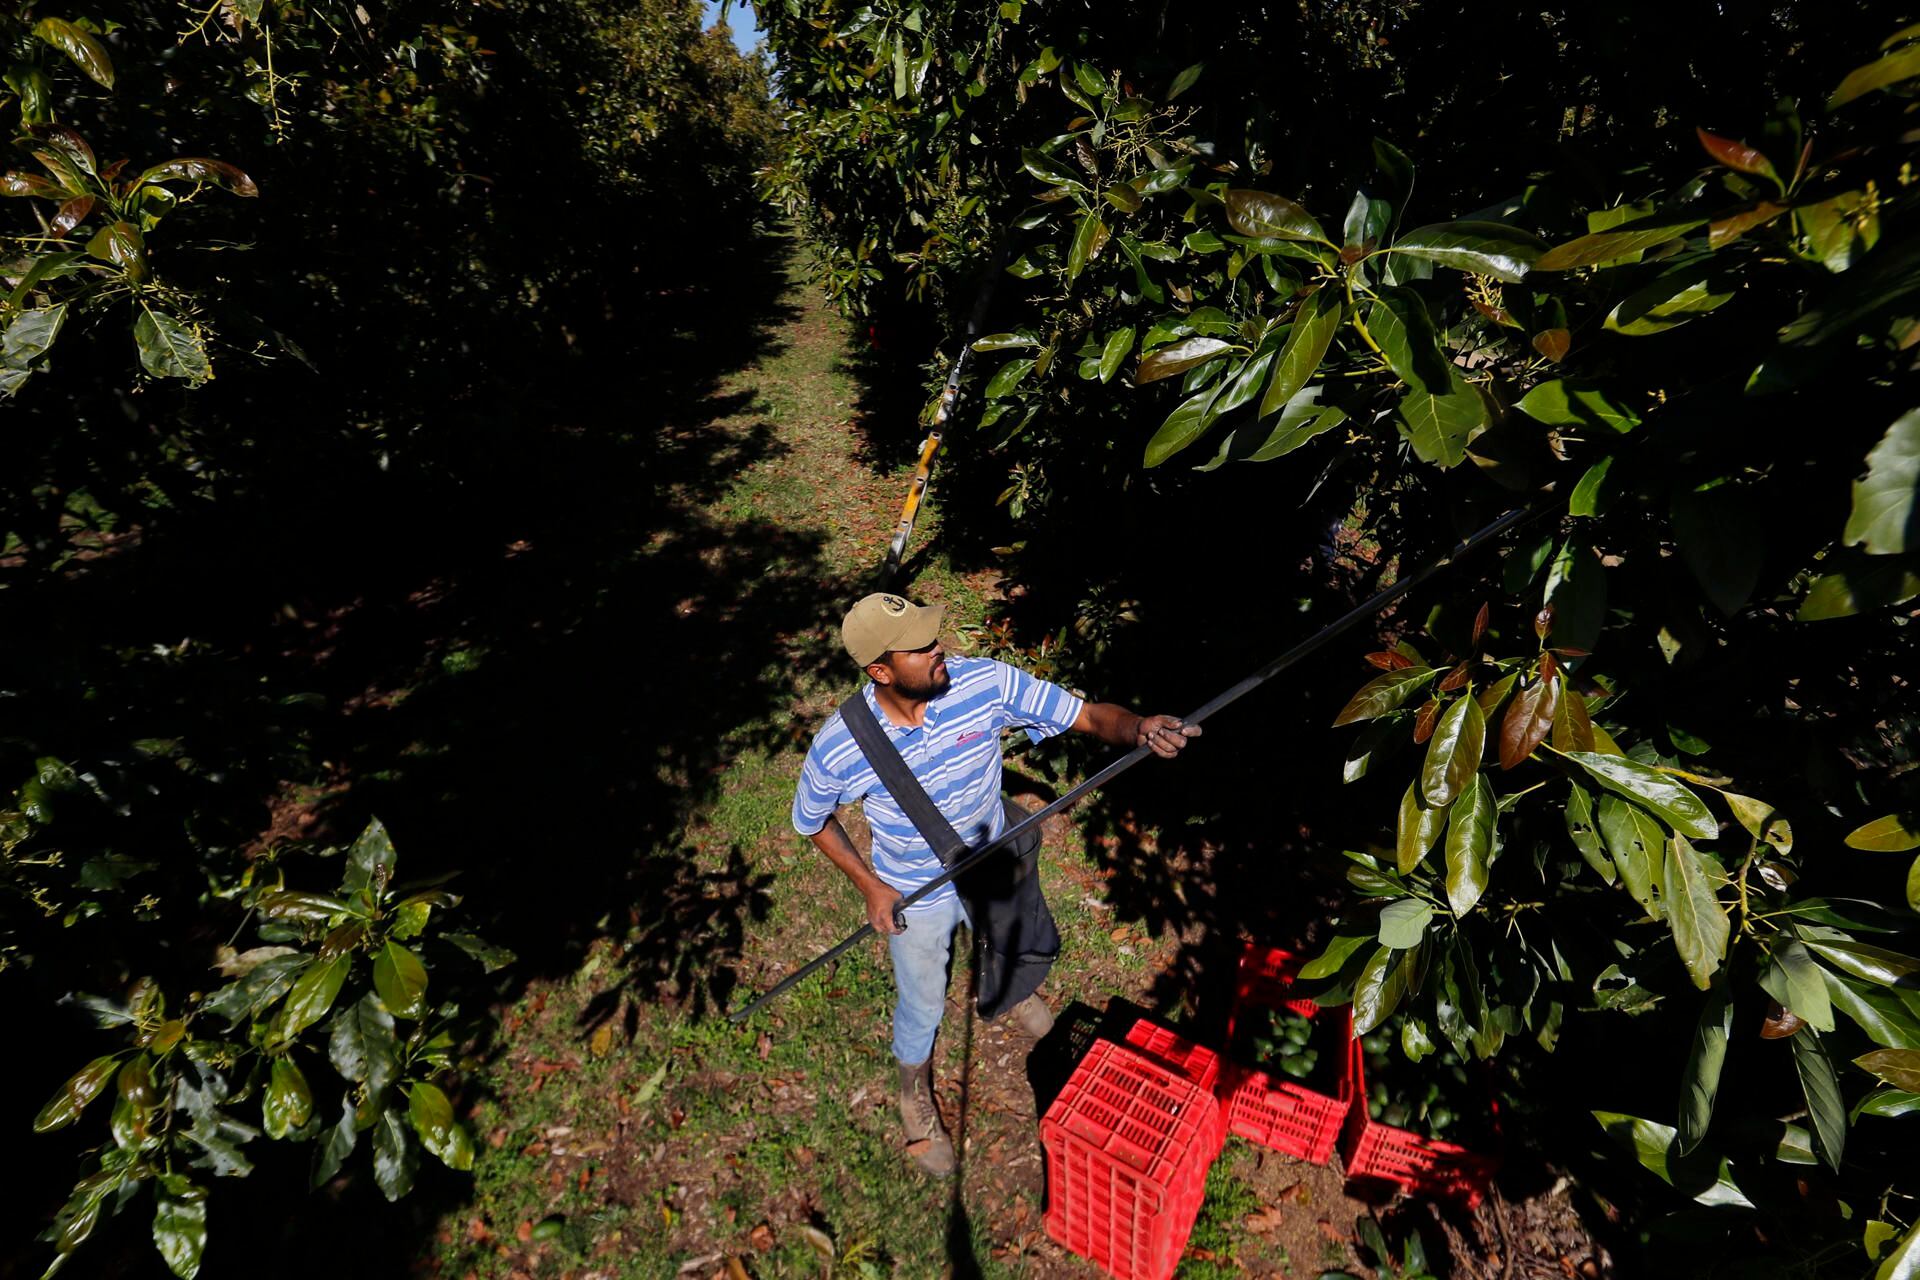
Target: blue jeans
{"x":920,"y":974}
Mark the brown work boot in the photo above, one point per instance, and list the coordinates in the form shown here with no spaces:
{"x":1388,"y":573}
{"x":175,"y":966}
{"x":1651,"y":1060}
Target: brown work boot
{"x":1030,"y":1016}
{"x":927,"y":1142}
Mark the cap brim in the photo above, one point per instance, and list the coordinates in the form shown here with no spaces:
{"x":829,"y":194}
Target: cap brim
{"x":920,"y":629}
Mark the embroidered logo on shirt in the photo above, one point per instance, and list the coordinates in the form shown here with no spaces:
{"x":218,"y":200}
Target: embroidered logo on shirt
{"x":965,"y":738}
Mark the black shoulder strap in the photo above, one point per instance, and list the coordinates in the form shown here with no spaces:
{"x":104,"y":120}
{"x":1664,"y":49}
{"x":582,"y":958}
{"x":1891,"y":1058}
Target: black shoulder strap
{"x":899,"y":780}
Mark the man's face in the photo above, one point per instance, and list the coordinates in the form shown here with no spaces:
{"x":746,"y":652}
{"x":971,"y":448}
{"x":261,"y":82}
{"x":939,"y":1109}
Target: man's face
{"x":919,"y":674}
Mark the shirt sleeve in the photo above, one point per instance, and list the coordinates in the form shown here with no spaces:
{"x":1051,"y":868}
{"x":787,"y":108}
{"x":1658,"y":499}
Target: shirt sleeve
{"x":1042,"y":708}
{"x":818,"y":794}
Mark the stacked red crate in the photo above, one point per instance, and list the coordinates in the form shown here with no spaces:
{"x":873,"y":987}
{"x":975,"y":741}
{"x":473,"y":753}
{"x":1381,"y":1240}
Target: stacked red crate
{"x":1280,"y":1114}
{"x":1424,"y":1166}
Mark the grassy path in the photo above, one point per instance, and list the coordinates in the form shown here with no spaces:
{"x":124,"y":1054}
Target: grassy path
{"x":632,"y":1131}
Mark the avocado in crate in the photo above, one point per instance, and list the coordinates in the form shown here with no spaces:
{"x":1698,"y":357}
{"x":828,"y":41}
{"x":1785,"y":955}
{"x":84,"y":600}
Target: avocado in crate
{"x":1279,"y":1040}
{"x":1440,"y":1096}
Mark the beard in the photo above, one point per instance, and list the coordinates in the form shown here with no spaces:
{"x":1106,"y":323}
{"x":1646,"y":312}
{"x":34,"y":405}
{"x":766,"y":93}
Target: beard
{"x":938,"y":682}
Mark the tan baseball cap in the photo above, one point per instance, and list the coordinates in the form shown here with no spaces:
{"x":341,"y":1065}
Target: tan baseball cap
{"x":883,"y":622}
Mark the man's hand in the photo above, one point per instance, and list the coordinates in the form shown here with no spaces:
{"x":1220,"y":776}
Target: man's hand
{"x":881,"y":899}
{"x":1165,"y":734}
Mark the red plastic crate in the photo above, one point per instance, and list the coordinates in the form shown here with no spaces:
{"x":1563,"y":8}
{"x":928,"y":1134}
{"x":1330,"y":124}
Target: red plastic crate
{"x":1128,"y":1143}
{"x":1196,"y":1062}
{"x":1424,"y":1166}
{"x":1280,"y":1114}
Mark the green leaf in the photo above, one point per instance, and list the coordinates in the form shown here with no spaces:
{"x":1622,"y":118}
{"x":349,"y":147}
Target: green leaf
{"x":1187,"y":423}
{"x":1638,"y":844}
{"x":79,"y":46}
{"x":1007,"y":377}
{"x":288,"y":1103}
{"x":1884,"y":519}
{"x":1006,"y":342}
{"x":72,"y":1098}
{"x":1243,"y":384}
{"x":1874,"y":585}
{"x":401,"y":981}
{"x":1453,"y":753}
{"x":1888,"y":1021}
{"x":1585,"y":835}
{"x":1887,"y":1102}
{"x":1185,"y":80}
{"x":259,"y":987}
{"x":1791,"y":977}
{"x":1178,"y":358}
{"x":1404,"y":923}
{"x":1592,"y":495}
{"x":1723,"y":542}
{"x":201,"y":169}
{"x":1484,"y":248}
{"x":1302,"y":420}
{"x":30,"y":334}
{"x":1700,"y":1082}
{"x":1088,"y":238}
{"x":1440,"y":426}
{"x":440,"y":1133}
{"x":1653,"y":1144}
{"x":1699,"y":922}
{"x":1618,"y":242}
{"x":180,"y":1224}
{"x":35,"y":90}
{"x":1904,"y":1262}
{"x":1385,"y":692}
{"x":295,"y":905}
{"x":1874,"y":964}
{"x":1673,"y":298}
{"x":1400,"y":325}
{"x":335,"y":1145}
{"x":1119,"y":344}
{"x":1470,"y":827}
{"x":1890,"y":69}
{"x":1821,"y":1087}
{"x":313,"y":994}
{"x":395,"y":1157}
{"x":362,"y":1045}
{"x":1378,"y":990}
{"x":1561,"y":403}
{"x":1306,"y":346}
{"x":1260,"y":213}
{"x":1334,"y":958}
{"x":1664,"y":794}
{"x":168,"y":349}
{"x":370,"y":862}
{"x":1420,"y":824}
{"x":1898,"y":1067}
{"x":1366,"y":223}
{"x":1050,"y":170}
{"x":490,"y":957}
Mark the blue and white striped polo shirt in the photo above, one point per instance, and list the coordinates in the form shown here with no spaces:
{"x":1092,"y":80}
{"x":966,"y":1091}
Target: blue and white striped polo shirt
{"x":955,"y":755}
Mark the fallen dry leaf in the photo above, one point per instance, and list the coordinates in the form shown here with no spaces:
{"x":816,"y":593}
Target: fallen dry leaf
{"x":602,"y":1043}
{"x":1265,"y":1220}
{"x":761,"y":1237}
{"x":524,"y":1232}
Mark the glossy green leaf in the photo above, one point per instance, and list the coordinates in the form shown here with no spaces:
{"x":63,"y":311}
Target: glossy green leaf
{"x":80,"y":47}
{"x":1791,"y":977}
{"x":1880,"y":582}
{"x":395,"y":1156}
{"x":262,"y":984}
{"x":1306,"y":346}
{"x":294,"y":905}
{"x":1904,"y":1262}
{"x":1699,"y":921}
{"x":1617,"y":242}
{"x":1113,"y":354}
{"x":1185,"y":80}
{"x":1243,"y":385}
{"x":1638,"y":844}
{"x":1561,"y":403}
{"x":313,"y":994}
{"x":1885,"y":519}
{"x":1453,"y":753}
{"x":1088,"y":238}
{"x":1821,"y":1087}
{"x":1050,"y":170}
{"x":1385,"y":692}
{"x":1439,"y":427}
{"x":1721,"y":534}
{"x":1583,"y":829}
{"x":1706,"y":1056}
{"x":1894,"y":833}
{"x":335,"y":1145}
{"x":1400,"y":325}
{"x":401,"y":981}
{"x":1593,"y":494}
{"x":1470,"y":844}
{"x":168,"y":348}
{"x":1404,"y":923}
{"x":1334,"y":958}
{"x":180,"y":1224}
{"x":1178,"y":358}
{"x":1419,"y":826}
{"x":1887,"y":1102}
{"x":1260,"y":213}
{"x":362,"y":1046}
{"x":491,"y":958}
{"x":1889,"y":69}
{"x":1484,"y":248}
{"x":1007,"y":377}
{"x":72,"y":1098}
{"x":288,"y":1101}
{"x":1898,"y":1067}
{"x":1660,"y":792}
{"x":1874,"y":964}
{"x":1303,"y":419}
{"x":1672,"y":299}
{"x":370,"y":861}
{"x":1187,"y":423}
{"x":201,"y":169}
{"x":1886,"y":1019}
{"x":1654,"y":1146}
{"x":440,"y":1133}
{"x":1378,"y":991}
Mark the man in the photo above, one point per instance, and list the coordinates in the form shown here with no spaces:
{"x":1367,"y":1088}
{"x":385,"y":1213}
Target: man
{"x":945,"y":718}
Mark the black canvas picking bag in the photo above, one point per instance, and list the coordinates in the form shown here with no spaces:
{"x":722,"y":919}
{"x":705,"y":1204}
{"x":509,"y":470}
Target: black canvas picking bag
{"x":1015,"y":940}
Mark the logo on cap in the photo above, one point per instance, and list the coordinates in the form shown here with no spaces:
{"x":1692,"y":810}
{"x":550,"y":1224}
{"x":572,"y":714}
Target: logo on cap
{"x":894,"y":605}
